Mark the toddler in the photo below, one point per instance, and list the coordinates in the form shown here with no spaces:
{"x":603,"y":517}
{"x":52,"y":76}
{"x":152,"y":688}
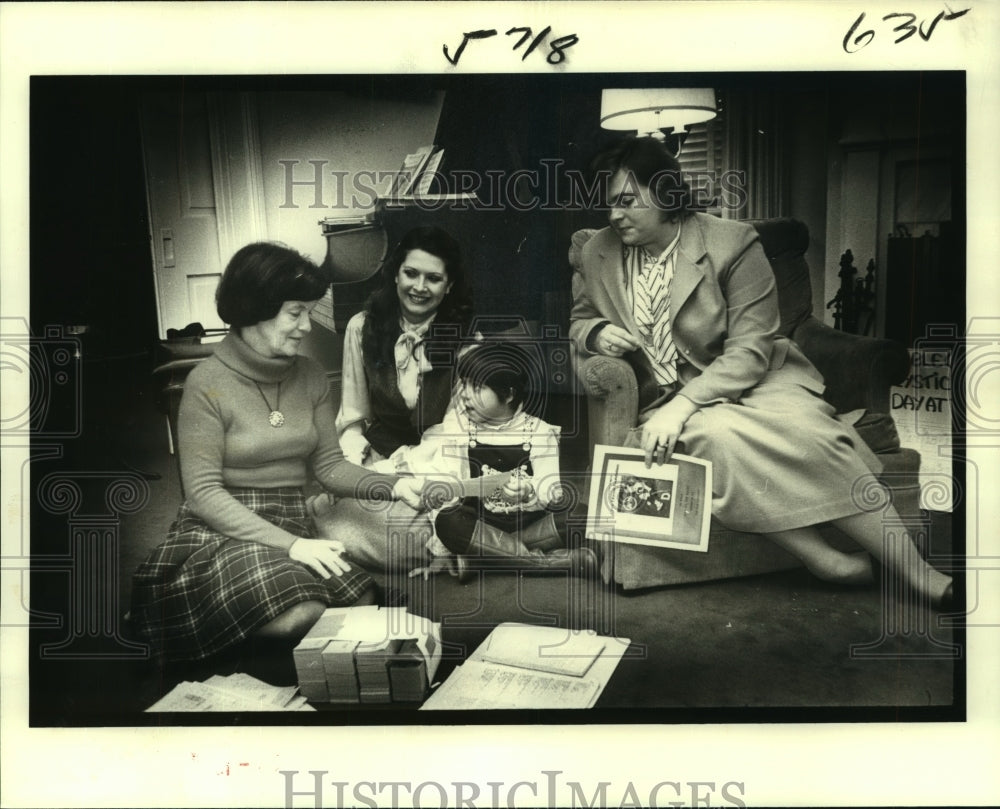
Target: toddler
{"x":490,"y":430}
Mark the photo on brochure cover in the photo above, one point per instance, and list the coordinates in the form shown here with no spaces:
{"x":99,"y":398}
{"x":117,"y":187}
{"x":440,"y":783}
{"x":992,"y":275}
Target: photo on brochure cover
{"x":340,"y":382}
{"x":662,"y":505}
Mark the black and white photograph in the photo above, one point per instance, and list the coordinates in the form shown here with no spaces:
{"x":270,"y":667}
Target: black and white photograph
{"x":478,"y":380}
{"x":664,"y":505}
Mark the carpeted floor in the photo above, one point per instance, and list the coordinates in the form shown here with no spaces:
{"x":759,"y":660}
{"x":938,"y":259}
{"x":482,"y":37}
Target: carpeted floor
{"x":777,"y":647}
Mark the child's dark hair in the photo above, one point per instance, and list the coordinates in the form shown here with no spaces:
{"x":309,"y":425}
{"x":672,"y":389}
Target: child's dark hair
{"x":505,"y":368}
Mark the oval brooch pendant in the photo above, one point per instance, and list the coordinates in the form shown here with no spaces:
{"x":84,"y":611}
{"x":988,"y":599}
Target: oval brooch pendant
{"x":276,"y":418}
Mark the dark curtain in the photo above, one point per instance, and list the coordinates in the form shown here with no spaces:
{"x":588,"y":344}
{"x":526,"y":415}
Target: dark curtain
{"x":754,"y":145}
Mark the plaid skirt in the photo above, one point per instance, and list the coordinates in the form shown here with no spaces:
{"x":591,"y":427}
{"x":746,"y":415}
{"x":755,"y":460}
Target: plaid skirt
{"x":201,"y":591}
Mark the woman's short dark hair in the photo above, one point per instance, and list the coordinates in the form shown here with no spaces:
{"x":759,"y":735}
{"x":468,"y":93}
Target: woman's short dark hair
{"x":260,"y":277}
{"x":651,"y":164}
{"x":505,"y":368}
{"x":382,"y":323}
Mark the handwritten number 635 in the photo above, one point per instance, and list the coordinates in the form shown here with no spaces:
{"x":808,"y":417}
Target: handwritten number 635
{"x":906,"y":28}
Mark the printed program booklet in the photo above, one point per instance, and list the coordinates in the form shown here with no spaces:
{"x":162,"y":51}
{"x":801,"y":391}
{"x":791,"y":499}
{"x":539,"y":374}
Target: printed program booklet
{"x":521,"y":666}
{"x":666,"y":505}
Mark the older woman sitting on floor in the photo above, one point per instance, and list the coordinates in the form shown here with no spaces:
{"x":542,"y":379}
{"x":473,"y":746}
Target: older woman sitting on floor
{"x":243,"y":558}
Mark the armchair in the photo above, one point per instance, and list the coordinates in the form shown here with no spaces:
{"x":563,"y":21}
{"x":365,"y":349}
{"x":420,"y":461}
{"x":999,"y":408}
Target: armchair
{"x":858,"y":372}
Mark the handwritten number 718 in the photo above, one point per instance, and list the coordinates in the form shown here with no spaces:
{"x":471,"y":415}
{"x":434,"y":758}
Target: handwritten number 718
{"x":557,"y":47}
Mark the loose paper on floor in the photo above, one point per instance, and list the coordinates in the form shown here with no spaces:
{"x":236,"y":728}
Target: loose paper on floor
{"x":236,"y":692}
{"x":518,"y":667}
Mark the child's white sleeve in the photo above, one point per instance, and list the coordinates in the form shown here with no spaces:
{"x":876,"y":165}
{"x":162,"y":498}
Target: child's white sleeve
{"x":418,"y":460}
{"x":440,"y":451}
{"x":426,"y":457}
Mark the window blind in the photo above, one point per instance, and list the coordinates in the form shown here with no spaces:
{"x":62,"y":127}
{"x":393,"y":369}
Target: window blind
{"x":701,"y":162}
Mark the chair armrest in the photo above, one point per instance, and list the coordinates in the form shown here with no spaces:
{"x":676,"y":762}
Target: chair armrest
{"x":177,"y":367}
{"x":612,"y":398}
{"x":858,"y":370}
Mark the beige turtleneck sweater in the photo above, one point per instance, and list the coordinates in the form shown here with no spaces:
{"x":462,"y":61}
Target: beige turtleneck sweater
{"x":226,"y":441}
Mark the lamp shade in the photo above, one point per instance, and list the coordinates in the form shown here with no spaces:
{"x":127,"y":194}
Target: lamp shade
{"x":649,"y":111}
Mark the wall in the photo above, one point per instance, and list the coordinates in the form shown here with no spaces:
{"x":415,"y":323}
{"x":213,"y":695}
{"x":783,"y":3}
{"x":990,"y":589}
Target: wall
{"x":353,"y":134}
{"x":844,"y":139}
{"x":335,"y":145}
{"x":894,"y":120}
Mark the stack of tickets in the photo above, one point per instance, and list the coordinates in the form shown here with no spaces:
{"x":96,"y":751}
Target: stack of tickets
{"x":368,"y":655}
{"x":371,"y":663}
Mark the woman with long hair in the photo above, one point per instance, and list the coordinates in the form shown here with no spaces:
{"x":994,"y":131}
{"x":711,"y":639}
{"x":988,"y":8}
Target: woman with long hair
{"x":400,"y":355}
{"x":399,"y":352}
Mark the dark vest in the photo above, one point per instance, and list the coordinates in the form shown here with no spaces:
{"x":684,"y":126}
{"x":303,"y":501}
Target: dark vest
{"x":393,"y":423}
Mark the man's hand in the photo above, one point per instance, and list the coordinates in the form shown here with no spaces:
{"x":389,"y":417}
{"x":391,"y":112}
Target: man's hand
{"x":614,"y":341}
{"x":322,"y":556}
{"x":661,"y":431}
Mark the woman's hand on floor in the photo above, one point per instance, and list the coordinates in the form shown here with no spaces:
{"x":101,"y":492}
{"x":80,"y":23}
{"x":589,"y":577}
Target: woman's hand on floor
{"x":662,"y":430}
{"x":322,"y":556}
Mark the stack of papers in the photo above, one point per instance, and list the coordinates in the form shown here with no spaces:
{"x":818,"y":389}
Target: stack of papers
{"x":537,"y":667}
{"x":371,"y":663}
{"x":341,"y":683}
{"x":368,"y":655}
{"x":237,"y":692}
{"x":308,"y":655}
{"x":408,"y":674}
{"x":533,"y":647}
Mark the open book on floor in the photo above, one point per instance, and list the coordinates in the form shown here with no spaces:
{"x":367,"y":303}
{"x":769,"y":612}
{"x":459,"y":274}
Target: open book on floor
{"x":666,"y":505}
{"x":520,"y":666}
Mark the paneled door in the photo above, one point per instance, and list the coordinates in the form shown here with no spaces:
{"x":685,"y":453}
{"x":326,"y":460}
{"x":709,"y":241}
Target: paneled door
{"x":177,"y":148}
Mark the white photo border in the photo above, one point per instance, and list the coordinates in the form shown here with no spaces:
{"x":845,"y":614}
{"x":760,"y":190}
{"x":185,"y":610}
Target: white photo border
{"x":829,"y":765}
